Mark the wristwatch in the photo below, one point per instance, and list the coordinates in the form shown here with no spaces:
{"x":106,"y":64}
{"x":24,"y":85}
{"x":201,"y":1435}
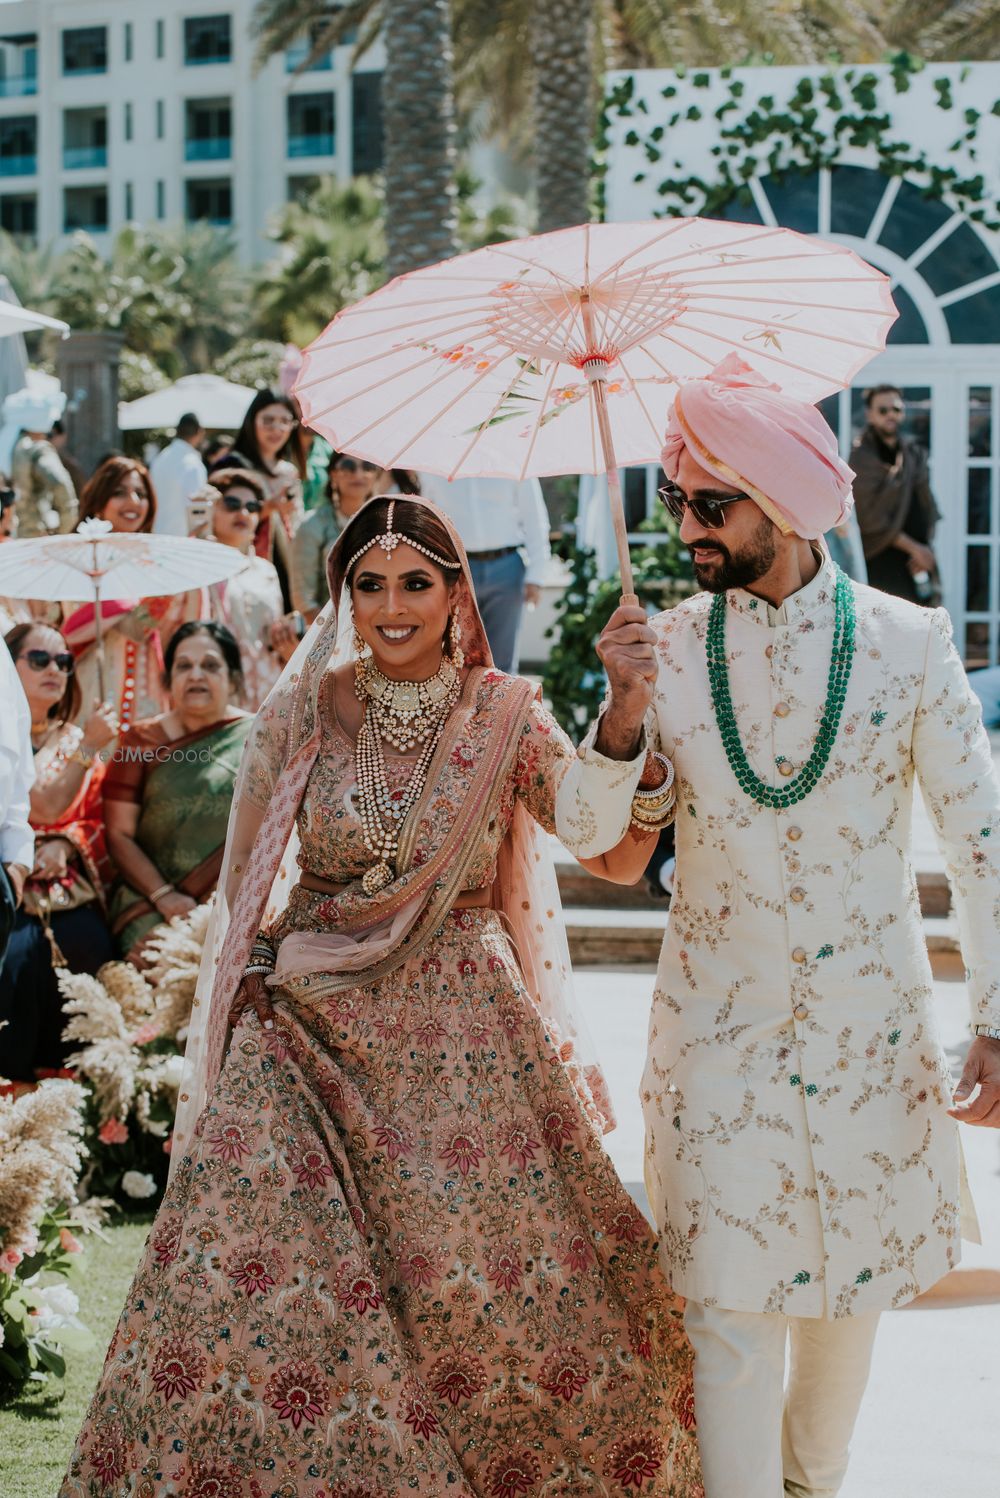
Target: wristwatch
{"x":992,"y":1032}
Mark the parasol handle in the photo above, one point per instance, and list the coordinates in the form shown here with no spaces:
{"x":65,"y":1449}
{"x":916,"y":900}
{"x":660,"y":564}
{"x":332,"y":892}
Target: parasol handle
{"x":596,"y":373}
{"x":98,"y":631}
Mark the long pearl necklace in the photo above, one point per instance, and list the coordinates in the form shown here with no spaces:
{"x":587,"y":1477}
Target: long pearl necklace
{"x":395,"y":716}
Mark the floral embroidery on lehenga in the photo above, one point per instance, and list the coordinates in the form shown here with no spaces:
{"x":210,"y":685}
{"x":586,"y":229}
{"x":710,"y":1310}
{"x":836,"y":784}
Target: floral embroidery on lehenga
{"x":397,"y":1258}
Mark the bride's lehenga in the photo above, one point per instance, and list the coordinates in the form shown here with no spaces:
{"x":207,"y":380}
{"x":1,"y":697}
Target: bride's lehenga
{"x":397,"y":1259}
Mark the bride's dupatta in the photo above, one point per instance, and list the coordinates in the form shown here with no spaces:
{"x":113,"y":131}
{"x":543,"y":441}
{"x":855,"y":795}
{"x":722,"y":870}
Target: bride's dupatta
{"x":374,"y":934}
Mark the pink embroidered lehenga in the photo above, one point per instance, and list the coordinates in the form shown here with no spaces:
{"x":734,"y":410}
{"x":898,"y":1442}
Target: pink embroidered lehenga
{"x":394,"y":1257}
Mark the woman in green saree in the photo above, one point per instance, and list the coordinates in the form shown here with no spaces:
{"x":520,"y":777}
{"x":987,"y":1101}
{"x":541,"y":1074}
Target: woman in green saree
{"x":169,"y":787}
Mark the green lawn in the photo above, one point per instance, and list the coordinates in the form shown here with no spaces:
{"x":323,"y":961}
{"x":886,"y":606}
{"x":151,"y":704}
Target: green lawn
{"x":37,"y":1431}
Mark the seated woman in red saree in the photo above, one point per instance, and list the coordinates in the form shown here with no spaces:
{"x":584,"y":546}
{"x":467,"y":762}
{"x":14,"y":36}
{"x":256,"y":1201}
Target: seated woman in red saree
{"x":62,"y":921}
{"x":394,"y":1257}
{"x":169,"y":787}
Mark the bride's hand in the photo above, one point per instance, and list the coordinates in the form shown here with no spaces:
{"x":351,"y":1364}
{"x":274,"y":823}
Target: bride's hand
{"x":253,"y":994}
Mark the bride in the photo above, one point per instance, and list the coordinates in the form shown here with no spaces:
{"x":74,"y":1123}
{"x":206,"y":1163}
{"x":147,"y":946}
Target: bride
{"x":393,"y":1257}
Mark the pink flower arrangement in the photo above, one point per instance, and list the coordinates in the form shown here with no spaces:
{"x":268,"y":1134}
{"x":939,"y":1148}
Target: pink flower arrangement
{"x":113,"y":1131}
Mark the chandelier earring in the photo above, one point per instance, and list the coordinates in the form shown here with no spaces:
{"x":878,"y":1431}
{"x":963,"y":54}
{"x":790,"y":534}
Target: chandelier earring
{"x":455,"y":642}
{"x":362,"y":656}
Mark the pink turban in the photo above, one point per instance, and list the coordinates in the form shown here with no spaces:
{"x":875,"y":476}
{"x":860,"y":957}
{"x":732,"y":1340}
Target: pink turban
{"x":778,"y":451}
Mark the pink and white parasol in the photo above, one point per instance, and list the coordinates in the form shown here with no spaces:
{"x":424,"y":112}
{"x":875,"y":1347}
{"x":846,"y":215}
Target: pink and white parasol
{"x":561,"y":353}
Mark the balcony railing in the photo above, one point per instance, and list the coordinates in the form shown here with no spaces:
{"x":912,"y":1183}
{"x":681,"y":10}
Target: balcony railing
{"x":296,"y":55}
{"x":18,"y":166}
{"x":19,"y":87}
{"x":75,"y":157}
{"x":218,"y":149}
{"x":206,"y":59}
{"x":311,"y":145}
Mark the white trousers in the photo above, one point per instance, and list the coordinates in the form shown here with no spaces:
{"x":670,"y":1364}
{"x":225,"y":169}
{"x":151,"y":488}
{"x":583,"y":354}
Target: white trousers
{"x":757,"y":1438}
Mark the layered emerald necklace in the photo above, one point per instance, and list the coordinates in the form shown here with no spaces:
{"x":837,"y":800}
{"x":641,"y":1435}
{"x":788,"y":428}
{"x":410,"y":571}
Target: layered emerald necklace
{"x":841,"y":661}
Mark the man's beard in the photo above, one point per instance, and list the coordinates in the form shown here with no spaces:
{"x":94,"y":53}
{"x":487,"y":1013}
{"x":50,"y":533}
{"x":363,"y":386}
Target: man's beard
{"x":742,"y":568}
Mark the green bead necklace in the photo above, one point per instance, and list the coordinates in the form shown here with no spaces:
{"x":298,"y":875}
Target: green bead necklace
{"x":841,"y":662}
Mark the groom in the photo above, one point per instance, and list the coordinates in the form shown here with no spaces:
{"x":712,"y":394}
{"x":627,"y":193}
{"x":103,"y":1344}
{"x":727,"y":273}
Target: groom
{"x":802,"y":1157}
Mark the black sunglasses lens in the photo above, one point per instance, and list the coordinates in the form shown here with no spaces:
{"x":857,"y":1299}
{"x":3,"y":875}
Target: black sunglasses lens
{"x":711,"y":516}
{"x":66,"y":663}
{"x":234,"y":505}
{"x":38,"y":660}
{"x":672,"y":501}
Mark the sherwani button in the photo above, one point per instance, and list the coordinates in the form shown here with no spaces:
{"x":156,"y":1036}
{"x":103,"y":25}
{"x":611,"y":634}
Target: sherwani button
{"x":793,"y":834}
{"x":797,"y":894}
{"x":782,"y":710}
{"x":799,"y":954}
{"x":785,"y":768}
{"x":769,"y":651}
{"x":800,"y":1011}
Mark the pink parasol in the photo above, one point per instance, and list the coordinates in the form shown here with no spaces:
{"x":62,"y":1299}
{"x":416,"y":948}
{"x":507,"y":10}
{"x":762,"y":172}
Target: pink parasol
{"x":561,"y":353}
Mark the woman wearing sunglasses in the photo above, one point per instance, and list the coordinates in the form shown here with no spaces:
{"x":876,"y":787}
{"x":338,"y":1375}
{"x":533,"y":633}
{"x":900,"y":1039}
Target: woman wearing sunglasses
{"x":268,"y":443}
{"x":249,"y":603}
{"x":62,"y":919}
{"x":135,"y":630}
{"x":350,"y":484}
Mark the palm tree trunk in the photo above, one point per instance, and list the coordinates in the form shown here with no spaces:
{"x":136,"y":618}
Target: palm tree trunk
{"x":418,"y":111}
{"x":563,"y":57}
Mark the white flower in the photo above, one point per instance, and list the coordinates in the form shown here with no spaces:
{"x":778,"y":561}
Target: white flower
{"x":94,"y":529}
{"x":55,"y":1306}
{"x":172,"y":1070}
{"x":136,"y":1183}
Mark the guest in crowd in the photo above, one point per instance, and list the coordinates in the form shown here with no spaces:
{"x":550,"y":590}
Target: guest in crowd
{"x":59,"y":438}
{"x":895,"y":506}
{"x":12,"y":610}
{"x":317,"y":455}
{"x":121,"y":492}
{"x":169,"y":786}
{"x":216,"y":447}
{"x":249,"y":603}
{"x":350,"y":483}
{"x":48,"y":500}
{"x":267,"y":443}
{"x":62,"y":921}
{"x":178,"y":471}
{"x":17,"y":772}
{"x":505,"y":528}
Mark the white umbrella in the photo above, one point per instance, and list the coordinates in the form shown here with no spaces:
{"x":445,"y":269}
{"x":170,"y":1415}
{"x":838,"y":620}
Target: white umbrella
{"x":82,"y":566}
{"x":22,"y":320}
{"x":216,"y":403}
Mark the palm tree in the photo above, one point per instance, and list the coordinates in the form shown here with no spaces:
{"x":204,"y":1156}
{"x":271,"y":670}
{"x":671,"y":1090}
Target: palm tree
{"x":564,"y":99}
{"x":417,"y":108}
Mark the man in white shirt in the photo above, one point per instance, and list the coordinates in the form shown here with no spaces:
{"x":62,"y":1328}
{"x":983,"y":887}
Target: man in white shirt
{"x":504,"y":526}
{"x":17,"y":774}
{"x":178,"y":473}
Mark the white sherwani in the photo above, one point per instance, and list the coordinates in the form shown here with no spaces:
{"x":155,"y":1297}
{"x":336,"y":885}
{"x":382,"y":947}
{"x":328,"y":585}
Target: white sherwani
{"x":799,"y":1156}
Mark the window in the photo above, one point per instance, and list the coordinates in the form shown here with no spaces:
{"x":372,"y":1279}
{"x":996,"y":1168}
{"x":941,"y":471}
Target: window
{"x":366,"y":116}
{"x":85,"y":138}
{"x":207,"y":39}
{"x":160,"y":46}
{"x":18,"y":146}
{"x":85,"y":208}
{"x":298,"y":53}
{"x":310,"y":124}
{"x":160,"y":119}
{"x":128,"y":122}
{"x":161,"y":199}
{"x":128,"y":41}
{"x":208,"y":134}
{"x":19,"y":215}
{"x":129,"y":203}
{"x":85,"y":50}
{"x":210,"y":200}
{"x":18,"y":66}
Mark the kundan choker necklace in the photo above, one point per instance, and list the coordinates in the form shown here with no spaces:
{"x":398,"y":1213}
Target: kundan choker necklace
{"x":841,"y":661}
{"x":406,"y":713}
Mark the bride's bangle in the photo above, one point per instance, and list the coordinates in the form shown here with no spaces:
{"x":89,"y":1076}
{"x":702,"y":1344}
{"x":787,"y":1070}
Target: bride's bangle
{"x":649,"y":793}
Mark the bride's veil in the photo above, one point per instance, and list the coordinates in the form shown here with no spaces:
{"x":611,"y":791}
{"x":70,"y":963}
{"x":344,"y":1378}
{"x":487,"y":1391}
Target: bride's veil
{"x":259,"y":861}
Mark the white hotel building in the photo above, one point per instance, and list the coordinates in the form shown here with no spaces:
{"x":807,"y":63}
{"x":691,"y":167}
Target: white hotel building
{"x":114,"y":111}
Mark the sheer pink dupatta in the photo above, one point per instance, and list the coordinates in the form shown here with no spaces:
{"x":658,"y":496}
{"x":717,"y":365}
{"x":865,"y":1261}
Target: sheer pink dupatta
{"x":259,"y":864}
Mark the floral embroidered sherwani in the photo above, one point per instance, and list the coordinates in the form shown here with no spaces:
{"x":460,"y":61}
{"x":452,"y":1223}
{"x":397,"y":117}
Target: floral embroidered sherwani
{"x":799,"y":1155}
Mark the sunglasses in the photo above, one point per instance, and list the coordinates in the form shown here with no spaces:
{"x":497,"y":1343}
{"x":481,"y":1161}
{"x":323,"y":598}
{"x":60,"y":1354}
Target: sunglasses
{"x":277,"y":421}
{"x":233,"y":504}
{"x":39,"y":659}
{"x":711,"y":513}
{"x":351,"y":465}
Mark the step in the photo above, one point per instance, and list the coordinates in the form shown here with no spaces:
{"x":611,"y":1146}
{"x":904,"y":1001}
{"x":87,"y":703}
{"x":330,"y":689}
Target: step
{"x":601,"y":937}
